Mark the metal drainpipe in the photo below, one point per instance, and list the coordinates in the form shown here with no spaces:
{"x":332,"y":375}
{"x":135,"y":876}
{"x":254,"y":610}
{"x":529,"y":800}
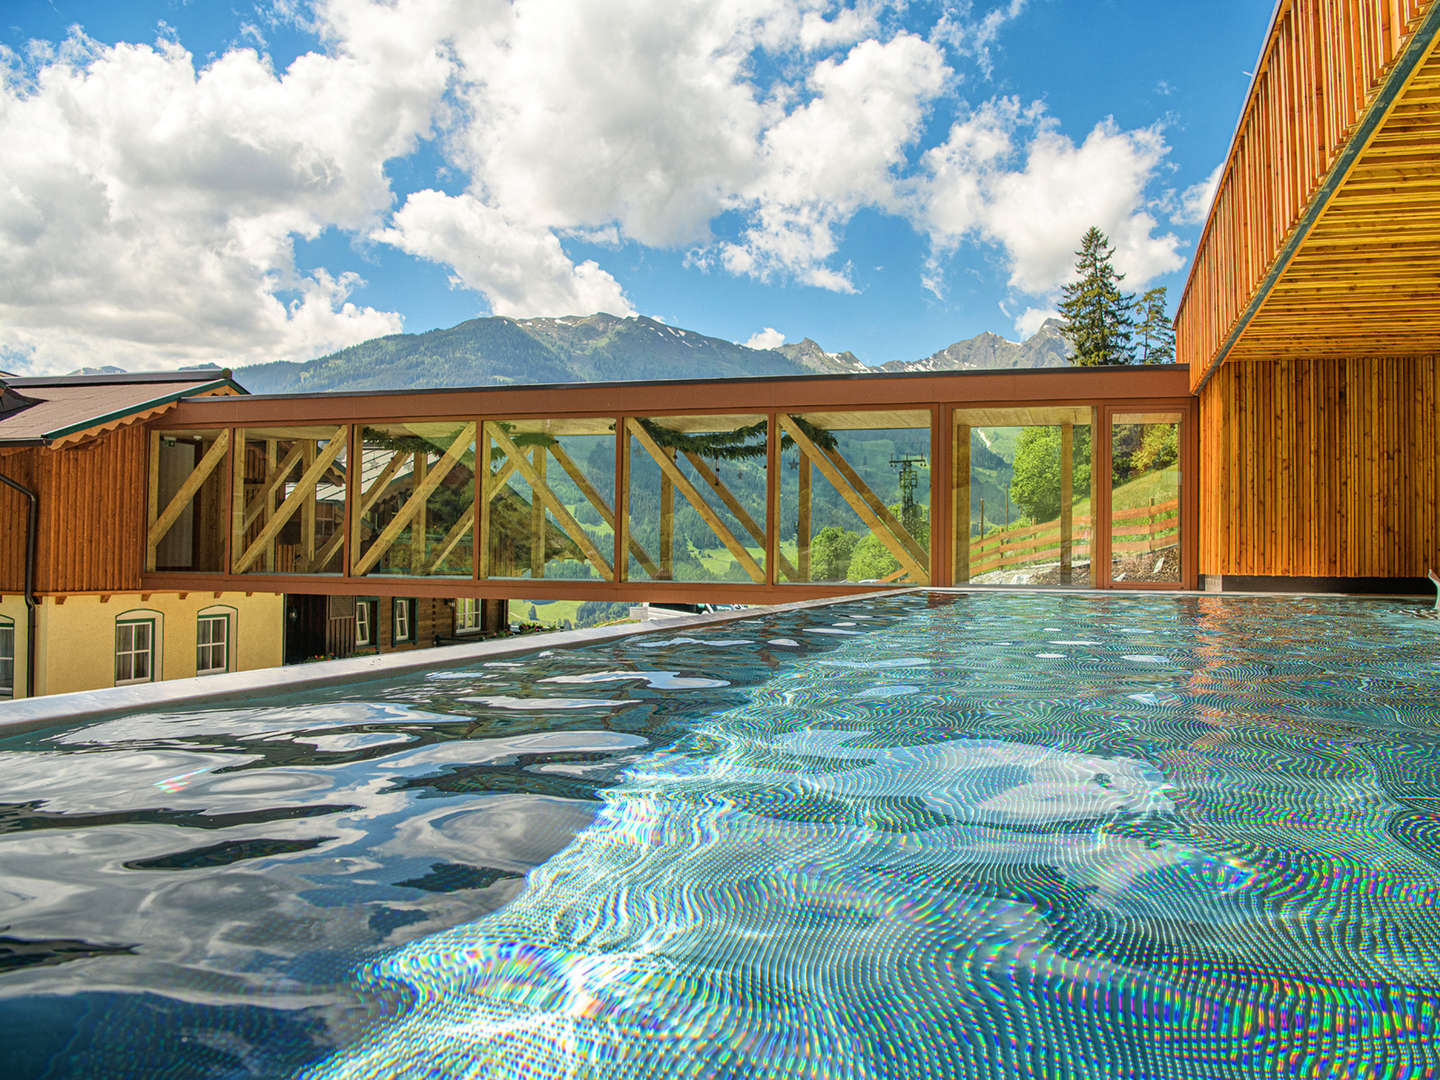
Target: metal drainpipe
{"x":31,"y":538}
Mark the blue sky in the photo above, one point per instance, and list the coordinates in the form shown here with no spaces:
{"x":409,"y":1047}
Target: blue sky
{"x":234,"y":182}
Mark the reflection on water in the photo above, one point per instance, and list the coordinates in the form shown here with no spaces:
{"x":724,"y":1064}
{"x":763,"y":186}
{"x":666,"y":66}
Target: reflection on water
{"x":998,"y":836}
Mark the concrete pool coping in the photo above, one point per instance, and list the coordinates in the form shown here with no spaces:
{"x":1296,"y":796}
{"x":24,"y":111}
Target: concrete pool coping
{"x":57,"y":709}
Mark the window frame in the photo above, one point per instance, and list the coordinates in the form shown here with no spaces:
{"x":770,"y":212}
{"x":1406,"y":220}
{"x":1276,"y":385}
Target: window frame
{"x":7,"y":689}
{"x":467,"y":615}
{"x":370,"y":607}
{"x":406,"y":605}
{"x":212,"y":617}
{"x":122,"y":622}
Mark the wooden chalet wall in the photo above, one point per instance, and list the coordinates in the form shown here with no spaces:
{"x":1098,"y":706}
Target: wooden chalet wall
{"x":92,"y":514}
{"x":1321,"y":468}
{"x":1322,"y":65}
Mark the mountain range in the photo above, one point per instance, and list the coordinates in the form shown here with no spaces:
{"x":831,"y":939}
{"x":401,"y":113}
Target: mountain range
{"x":500,"y":351}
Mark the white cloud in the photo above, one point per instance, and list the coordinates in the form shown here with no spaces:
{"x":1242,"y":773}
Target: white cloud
{"x":1196,"y":199}
{"x":148,"y":209}
{"x":769,"y":338}
{"x":522,"y":269}
{"x":1006,"y":174}
{"x":1029,"y":321}
{"x":840,"y":151}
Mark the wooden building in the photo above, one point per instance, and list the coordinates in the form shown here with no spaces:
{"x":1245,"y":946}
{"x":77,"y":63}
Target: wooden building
{"x":1311,"y":319}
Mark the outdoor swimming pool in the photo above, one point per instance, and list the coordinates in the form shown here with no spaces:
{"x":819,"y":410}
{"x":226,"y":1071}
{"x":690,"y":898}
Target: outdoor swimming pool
{"x":926,"y":835}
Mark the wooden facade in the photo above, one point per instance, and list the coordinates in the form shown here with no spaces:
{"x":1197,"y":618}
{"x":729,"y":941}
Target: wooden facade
{"x":92,"y":514}
{"x":1321,"y":468}
{"x":1332,"y":72}
{"x":1311,"y":319}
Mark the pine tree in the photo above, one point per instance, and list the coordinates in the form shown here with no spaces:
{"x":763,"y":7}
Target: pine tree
{"x":1156,"y":332}
{"x":1098,"y":316}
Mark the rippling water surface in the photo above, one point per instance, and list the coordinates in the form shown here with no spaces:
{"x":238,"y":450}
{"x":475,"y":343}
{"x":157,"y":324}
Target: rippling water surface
{"x":924,"y":836}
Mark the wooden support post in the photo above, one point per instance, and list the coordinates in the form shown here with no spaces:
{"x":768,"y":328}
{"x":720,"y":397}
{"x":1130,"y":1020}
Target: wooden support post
{"x":888,"y":534}
{"x":268,"y":496}
{"x":307,"y":514}
{"x":1099,"y":459}
{"x":1067,"y":500}
{"x":419,"y":523}
{"x":237,"y":498}
{"x":153,"y":493}
{"x":960,"y":504}
{"x":667,"y":522}
{"x":771,"y":542}
{"x":348,"y":529}
{"x":537,"y":515}
{"x":622,"y":499}
{"x":485,"y":492}
{"x":802,"y":522}
{"x":693,"y":497}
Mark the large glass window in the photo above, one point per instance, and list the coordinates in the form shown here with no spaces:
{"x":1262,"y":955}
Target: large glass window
{"x":855,"y":497}
{"x":547,"y":503}
{"x":1145,"y":498}
{"x":134,"y":651}
{"x":212,"y":644}
{"x":1023,"y":496}
{"x":7,"y":658}
{"x":188,"y":519}
{"x":416,"y":513}
{"x":289,"y":514}
{"x":697,"y":498}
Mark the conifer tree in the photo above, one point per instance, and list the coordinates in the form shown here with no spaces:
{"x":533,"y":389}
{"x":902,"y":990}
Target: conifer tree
{"x":1156,"y":331}
{"x":1098,"y":316}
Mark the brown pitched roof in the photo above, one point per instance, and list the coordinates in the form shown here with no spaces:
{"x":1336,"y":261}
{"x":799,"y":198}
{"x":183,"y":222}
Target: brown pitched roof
{"x":70,"y":407}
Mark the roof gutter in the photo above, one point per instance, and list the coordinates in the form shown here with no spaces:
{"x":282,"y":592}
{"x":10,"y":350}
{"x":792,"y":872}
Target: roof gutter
{"x":31,"y":542}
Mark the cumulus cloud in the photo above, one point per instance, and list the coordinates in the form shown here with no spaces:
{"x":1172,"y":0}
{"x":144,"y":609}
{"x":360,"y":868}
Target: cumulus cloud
{"x":148,"y":208}
{"x":769,"y":338}
{"x":520,"y":268}
{"x":1007,"y":175}
{"x":1195,"y":200}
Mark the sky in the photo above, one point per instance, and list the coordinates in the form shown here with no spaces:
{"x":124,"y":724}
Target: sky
{"x":232,"y":181}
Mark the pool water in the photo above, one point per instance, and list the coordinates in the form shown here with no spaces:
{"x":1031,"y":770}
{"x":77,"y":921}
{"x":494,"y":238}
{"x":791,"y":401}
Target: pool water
{"x":926,"y":835}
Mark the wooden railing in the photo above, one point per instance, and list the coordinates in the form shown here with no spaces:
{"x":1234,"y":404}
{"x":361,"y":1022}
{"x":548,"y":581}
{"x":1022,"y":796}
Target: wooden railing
{"x":1140,"y":528}
{"x":1322,"y":65}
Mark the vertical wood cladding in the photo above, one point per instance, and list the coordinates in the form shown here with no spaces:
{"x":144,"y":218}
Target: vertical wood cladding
{"x":1322,"y":65}
{"x":92,"y":514}
{"x":433,"y":618}
{"x":1321,"y":468}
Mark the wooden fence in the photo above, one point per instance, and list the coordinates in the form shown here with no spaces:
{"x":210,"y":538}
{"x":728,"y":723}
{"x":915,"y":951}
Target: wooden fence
{"x":1140,"y":528}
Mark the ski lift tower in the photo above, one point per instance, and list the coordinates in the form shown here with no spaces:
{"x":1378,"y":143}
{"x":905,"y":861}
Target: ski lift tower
{"x":909,"y":469}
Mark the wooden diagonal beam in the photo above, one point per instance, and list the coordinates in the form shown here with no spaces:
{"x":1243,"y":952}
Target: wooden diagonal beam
{"x":877,"y":504}
{"x":538,"y":488}
{"x":857,"y":502}
{"x":273,"y":482}
{"x":693,"y":497}
{"x":411,"y":507}
{"x":303,"y":490}
{"x":367,"y":500}
{"x":598,"y":502}
{"x":741,"y":514}
{"x":452,"y":538}
{"x":187,"y":491}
